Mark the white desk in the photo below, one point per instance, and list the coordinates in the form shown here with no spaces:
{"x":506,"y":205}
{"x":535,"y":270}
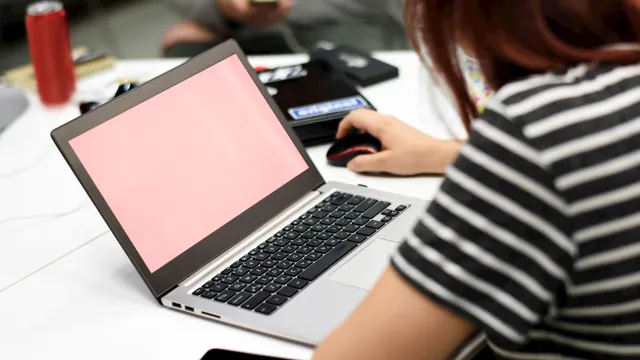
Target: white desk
{"x":88,"y":301}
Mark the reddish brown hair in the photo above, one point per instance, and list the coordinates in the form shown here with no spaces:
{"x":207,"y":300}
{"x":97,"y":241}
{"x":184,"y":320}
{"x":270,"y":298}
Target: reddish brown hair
{"x":515,"y":38}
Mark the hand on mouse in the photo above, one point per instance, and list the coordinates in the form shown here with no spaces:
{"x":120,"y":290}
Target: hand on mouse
{"x":242,"y":11}
{"x":405,"y":150}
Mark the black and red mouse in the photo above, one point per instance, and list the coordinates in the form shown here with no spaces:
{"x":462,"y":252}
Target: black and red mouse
{"x":347,"y":148}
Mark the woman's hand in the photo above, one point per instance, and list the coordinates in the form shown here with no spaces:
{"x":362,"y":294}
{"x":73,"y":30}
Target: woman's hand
{"x":243,"y":12}
{"x":405,"y":150}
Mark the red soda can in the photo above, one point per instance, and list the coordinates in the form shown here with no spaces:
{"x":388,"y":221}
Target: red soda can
{"x":50,"y":47}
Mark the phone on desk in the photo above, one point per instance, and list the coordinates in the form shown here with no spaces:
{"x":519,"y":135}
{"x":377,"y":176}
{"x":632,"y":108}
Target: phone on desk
{"x":219,"y":354}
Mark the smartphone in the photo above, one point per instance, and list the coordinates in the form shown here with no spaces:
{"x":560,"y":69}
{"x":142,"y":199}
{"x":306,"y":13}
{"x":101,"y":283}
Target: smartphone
{"x":263,"y":2}
{"x":219,"y":354}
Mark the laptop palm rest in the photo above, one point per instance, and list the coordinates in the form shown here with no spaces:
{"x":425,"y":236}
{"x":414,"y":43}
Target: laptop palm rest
{"x":364,"y":270}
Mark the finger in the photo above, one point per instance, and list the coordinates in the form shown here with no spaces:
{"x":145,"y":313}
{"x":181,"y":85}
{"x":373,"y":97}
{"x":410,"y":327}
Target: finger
{"x":378,"y":162}
{"x":364,"y":119}
{"x":268,"y":14}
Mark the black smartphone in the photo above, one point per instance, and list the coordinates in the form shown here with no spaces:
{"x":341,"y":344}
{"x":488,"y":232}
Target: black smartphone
{"x":263,"y":2}
{"x":219,"y":354}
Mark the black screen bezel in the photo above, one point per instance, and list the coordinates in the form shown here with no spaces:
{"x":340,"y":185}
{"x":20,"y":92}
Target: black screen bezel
{"x":167,"y":277}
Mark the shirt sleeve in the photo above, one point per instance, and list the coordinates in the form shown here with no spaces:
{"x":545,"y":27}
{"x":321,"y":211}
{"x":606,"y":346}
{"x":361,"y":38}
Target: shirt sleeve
{"x":493,"y":246}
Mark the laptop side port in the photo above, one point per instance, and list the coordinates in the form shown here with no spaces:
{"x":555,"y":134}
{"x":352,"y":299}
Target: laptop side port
{"x":188,"y":308}
{"x":209,"y":314}
{"x":176,"y":305}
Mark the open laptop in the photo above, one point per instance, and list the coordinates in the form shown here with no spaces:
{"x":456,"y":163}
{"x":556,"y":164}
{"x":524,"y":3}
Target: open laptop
{"x":213,"y":198}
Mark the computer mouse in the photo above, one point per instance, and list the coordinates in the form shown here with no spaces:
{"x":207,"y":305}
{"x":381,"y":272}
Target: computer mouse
{"x":347,"y":148}
{"x":13,"y":103}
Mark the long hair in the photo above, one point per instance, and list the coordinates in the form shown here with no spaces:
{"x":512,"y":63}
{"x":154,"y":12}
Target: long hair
{"x":512,"y":39}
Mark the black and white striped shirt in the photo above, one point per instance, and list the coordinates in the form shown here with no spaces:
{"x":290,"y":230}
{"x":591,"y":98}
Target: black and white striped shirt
{"x":535,"y":232}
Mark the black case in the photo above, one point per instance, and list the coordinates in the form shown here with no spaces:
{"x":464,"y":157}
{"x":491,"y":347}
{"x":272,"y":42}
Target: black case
{"x":359,"y":66}
{"x":314,"y":87}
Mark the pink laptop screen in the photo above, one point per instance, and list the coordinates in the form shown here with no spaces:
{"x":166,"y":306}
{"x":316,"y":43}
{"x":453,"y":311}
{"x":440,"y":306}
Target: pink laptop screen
{"x":180,"y":165}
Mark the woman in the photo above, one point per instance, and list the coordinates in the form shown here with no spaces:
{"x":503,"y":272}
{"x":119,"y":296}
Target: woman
{"x":533,"y":240}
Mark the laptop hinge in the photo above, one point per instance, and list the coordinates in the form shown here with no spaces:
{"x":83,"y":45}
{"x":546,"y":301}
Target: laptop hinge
{"x":229,"y":256}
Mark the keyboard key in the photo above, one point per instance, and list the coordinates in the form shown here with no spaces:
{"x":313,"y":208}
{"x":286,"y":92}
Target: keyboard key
{"x":271,"y":249}
{"x":334,"y":229}
{"x":229,"y":279}
{"x":262,"y":246}
{"x":320,"y":215}
{"x":319,"y":228}
{"x":294,"y":271}
{"x":280,"y":233}
{"x":324,"y":236}
{"x":217,"y":278}
{"x":259,"y":271}
{"x":393,"y":213}
{"x":289,"y":249}
{"x":375,"y":224}
{"x":313,"y":243}
{"x":285,"y":264}
{"x":272,"y":288}
{"x":312,"y":210}
{"x":352,"y":215}
{"x":323,"y":249}
{"x":282,"y":279}
{"x":299,"y":241}
{"x":346,"y":208}
{"x":356,"y":200}
{"x":227,"y":271}
{"x":291,"y":235}
{"x":386,"y":212}
{"x":360,"y":221}
{"x":333,"y":242}
{"x":295,"y":257}
{"x":301,"y":228}
{"x":198,"y":291}
{"x":279,"y":256}
{"x":337,"y":214}
{"x":239,"y":298}
{"x":245,"y":258}
{"x":225,"y":295}
{"x":351,"y":228}
{"x":208,"y":294}
{"x":255,"y":300}
{"x":236,"y":264}
{"x":251,"y":264}
{"x":400,"y":208}
{"x":341,"y":199}
{"x":303,"y":264}
{"x":357,"y":238}
{"x":306,"y":249}
{"x":320,"y":205}
{"x":342,"y":222}
{"x":375,"y":209}
{"x":248,"y":278}
{"x":334,"y":194}
{"x":288,"y":291}
{"x":266,"y":309}
{"x":341,"y":235}
{"x":237,"y":286}
{"x":309,"y":234}
{"x":253,"y":252}
{"x":281,"y":242}
{"x":313,"y":256}
{"x":277,"y":299}
{"x":313,"y":271}
{"x":241,"y":271}
{"x":329,"y":208}
{"x":310,"y":221}
{"x":253,"y":288}
{"x":274,"y":272}
{"x":264,"y":280}
{"x":365,"y":205}
{"x":208,"y":284}
{"x":298,"y":283}
{"x":304,"y":217}
{"x":288,"y":228}
{"x":261,"y":256}
{"x":296,"y":222}
{"x":269,"y":263}
{"x":327,"y":221}
{"x":366,"y":231}
{"x":387,"y":218}
{"x":219,"y":287}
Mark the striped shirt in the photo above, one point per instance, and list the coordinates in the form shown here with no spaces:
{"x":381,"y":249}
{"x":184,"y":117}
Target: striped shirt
{"x":535,"y":233}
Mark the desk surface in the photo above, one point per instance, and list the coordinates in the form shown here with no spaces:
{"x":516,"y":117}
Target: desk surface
{"x":66,"y":288}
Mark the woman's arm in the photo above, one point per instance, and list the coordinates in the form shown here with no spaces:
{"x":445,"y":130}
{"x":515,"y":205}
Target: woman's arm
{"x":396,"y":322}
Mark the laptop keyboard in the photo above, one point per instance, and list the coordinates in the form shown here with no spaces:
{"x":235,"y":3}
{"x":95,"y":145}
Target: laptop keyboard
{"x":278,"y":269}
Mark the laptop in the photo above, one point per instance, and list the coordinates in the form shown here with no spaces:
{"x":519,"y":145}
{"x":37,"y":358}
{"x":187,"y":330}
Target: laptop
{"x":212,"y":196}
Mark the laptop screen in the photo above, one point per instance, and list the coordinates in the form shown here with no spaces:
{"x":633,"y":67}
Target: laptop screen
{"x":180,"y":165}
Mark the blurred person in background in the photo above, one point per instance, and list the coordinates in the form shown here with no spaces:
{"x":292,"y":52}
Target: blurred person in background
{"x":287,"y":26}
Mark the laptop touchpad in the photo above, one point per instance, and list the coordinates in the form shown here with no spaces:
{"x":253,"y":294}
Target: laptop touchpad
{"x":365,"y":268}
